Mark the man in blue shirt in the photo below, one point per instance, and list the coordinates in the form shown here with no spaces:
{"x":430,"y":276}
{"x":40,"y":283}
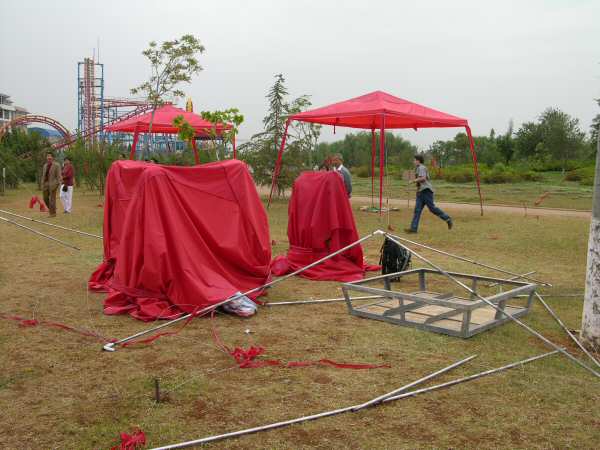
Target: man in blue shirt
{"x":424,"y":197}
{"x":338,"y":162}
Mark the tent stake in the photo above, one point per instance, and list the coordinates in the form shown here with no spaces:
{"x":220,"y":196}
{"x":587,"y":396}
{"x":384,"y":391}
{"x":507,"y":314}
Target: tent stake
{"x":485,"y":300}
{"x":111,"y":346}
{"x":347,"y":409}
{"x":462,"y":258}
{"x":553,"y":314}
{"x":50,"y":224}
{"x":66,"y":244}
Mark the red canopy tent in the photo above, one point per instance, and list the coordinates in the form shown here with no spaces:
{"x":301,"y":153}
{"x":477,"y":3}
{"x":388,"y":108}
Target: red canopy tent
{"x":379,"y":111}
{"x":163,"y":123}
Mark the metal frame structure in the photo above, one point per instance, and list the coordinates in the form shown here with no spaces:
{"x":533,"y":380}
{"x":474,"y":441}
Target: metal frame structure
{"x":438,"y":312}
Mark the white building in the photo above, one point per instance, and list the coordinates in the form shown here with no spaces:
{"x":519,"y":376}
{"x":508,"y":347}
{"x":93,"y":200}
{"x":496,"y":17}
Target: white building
{"x":8,"y":111}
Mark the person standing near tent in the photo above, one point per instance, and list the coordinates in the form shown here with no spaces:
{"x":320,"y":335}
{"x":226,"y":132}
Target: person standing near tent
{"x":50,"y":181}
{"x":338,"y":163}
{"x":66,"y":189}
{"x":424,"y":196}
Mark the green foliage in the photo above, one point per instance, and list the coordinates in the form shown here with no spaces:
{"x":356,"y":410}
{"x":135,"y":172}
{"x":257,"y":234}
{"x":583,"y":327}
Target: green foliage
{"x":171,"y":63}
{"x":496,"y":174}
{"x":585,"y":175}
{"x":91,"y":163}
{"x":231,"y":117}
{"x":356,"y":151}
{"x":23,"y":154}
{"x":261,"y":151}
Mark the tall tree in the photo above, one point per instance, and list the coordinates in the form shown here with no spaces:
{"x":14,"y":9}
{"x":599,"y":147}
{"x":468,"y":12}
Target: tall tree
{"x":171,"y":63}
{"x":562,"y":137}
{"x":595,"y":128}
{"x":505,"y":143}
{"x":261,"y":151}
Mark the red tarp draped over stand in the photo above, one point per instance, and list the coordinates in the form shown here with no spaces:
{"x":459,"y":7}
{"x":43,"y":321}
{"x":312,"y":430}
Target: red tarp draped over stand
{"x":320,"y":221}
{"x":179,"y":238}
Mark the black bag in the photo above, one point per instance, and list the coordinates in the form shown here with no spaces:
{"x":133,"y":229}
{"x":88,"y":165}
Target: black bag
{"x":394,"y":258}
{"x":65,"y":188}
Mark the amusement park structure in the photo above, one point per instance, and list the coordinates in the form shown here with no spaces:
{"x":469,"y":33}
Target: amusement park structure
{"x":94,"y":110}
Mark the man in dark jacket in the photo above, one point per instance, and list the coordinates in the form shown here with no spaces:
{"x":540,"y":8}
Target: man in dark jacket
{"x":51,"y":178}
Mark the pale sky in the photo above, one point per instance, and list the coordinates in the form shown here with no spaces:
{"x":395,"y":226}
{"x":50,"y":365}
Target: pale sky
{"x":486,"y":61}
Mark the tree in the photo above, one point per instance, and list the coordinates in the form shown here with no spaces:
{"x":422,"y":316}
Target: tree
{"x":261,"y":151}
{"x":231,"y":117}
{"x":595,"y":127}
{"x":561,"y":135}
{"x":506,"y":144}
{"x":171,"y":63}
{"x":528,"y":140}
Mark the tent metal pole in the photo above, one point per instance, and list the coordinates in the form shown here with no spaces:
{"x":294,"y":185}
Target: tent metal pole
{"x":111,"y":346}
{"x":381,"y":398}
{"x":66,"y":244}
{"x":504,"y":313}
{"x":373,"y":150}
{"x":475,"y":165}
{"x":472,"y":377}
{"x":564,"y":327}
{"x":462,"y":258}
{"x":381,"y":162}
{"x":347,"y":409}
{"x":325,"y":300}
{"x":278,"y":161}
{"x":50,"y":224}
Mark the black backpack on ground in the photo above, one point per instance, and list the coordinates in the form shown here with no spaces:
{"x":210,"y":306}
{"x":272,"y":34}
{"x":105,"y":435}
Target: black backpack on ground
{"x":394,"y":258}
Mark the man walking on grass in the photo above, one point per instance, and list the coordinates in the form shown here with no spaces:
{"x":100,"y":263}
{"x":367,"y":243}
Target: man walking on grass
{"x":51,"y":178}
{"x":424,"y":196}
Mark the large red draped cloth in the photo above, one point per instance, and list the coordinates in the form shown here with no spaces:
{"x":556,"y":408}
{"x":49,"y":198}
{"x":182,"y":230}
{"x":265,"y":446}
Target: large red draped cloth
{"x":180,"y":238}
{"x":320,"y":221}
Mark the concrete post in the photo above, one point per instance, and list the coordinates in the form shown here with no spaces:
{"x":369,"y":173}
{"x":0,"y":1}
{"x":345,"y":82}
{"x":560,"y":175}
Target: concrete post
{"x":590,"y":322}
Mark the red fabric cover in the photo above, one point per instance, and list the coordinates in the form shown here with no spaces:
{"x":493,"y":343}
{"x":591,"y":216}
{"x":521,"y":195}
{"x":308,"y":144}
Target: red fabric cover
{"x":163,"y":122}
{"x":367,"y":110}
{"x":320,"y":221}
{"x":180,"y":238}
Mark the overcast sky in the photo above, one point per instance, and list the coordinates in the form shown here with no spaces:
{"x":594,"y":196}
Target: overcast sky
{"x":487,"y":61}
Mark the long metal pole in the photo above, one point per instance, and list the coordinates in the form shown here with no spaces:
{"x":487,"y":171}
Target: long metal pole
{"x":564,"y":327}
{"x":513,"y":278}
{"x":324,"y":300}
{"x":347,"y":409}
{"x":111,"y":345}
{"x":50,"y":224}
{"x":485,"y":300}
{"x":462,"y":258}
{"x":381,"y":398}
{"x":471,"y":377}
{"x":66,"y":244}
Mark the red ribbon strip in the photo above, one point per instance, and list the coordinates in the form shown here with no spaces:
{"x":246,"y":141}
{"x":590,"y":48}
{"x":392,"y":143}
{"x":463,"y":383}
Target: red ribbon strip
{"x":246,"y":358}
{"x":131,"y":442}
{"x":33,"y":322}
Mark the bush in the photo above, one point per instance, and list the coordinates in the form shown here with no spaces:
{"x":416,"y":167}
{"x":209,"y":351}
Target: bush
{"x":585,"y":175}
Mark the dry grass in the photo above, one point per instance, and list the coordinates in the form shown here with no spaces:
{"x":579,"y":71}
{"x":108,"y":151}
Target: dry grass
{"x":58,"y":390}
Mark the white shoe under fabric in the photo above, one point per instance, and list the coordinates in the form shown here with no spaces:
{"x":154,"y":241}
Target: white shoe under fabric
{"x":240,"y":306}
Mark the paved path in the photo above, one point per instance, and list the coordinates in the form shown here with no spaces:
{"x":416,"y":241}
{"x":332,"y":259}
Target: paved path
{"x":487,"y":208}
{"x":471,"y":207}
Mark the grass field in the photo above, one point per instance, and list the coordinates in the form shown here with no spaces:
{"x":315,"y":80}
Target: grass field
{"x":561,"y":194}
{"x":59,"y":390}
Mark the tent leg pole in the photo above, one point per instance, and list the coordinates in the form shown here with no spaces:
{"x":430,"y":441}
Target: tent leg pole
{"x":349,"y":408}
{"x":485,"y":300}
{"x":111,"y":346}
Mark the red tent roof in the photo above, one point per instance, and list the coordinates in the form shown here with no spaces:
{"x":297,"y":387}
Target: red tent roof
{"x":366,"y":112}
{"x":163,"y":122}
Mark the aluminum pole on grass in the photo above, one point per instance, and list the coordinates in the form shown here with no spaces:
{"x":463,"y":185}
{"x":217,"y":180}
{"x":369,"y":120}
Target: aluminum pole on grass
{"x":472,"y":261}
{"x":323,"y":300}
{"x":3,"y":211}
{"x":564,"y":327}
{"x":485,"y":300}
{"x":66,"y":244}
{"x":111,"y":345}
{"x":272,"y":426}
